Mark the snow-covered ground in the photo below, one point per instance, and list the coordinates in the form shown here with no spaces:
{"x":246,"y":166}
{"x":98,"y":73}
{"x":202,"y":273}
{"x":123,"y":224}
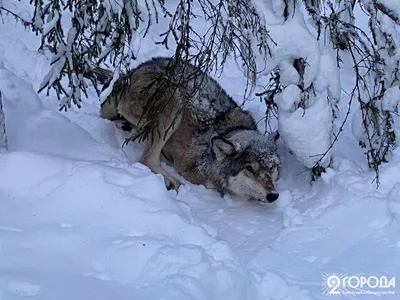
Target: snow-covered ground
{"x":81,"y":219}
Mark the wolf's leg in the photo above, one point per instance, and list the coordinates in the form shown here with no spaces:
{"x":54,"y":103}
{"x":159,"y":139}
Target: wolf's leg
{"x":152,"y":154}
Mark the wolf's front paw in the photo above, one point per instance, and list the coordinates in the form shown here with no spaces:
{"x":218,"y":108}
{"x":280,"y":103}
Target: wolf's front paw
{"x":171,"y":183}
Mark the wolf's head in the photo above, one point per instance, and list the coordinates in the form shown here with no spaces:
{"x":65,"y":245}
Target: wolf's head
{"x":249,"y":164}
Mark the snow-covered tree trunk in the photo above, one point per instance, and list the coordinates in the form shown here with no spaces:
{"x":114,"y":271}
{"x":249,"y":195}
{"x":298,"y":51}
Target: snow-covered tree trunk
{"x":307,"y":85}
{"x":3,"y":137}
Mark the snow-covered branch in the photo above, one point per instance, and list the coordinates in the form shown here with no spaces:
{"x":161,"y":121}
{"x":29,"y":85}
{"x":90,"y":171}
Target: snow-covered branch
{"x":3,"y":136}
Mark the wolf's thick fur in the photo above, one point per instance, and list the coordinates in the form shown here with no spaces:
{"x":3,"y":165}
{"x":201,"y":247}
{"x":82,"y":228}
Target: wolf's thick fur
{"x":213,"y":142}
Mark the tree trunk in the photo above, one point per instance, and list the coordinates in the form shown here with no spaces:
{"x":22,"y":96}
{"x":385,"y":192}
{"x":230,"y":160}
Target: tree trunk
{"x":3,"y":137}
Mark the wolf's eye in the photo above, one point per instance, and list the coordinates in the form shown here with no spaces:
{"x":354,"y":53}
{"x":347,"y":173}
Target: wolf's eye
{"x":250,"y":169}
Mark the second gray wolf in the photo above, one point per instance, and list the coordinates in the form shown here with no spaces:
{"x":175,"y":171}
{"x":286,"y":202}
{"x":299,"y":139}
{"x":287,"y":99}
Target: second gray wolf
{"x":202,"y":132}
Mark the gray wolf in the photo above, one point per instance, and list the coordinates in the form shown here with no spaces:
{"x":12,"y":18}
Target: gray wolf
{"x":202,"y":132}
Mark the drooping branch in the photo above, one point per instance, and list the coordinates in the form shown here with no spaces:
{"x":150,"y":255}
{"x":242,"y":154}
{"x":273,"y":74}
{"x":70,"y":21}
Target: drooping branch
{"x":103,"y":32}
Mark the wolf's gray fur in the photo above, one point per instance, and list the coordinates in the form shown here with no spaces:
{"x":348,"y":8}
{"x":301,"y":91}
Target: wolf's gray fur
{"x":213,"y":141}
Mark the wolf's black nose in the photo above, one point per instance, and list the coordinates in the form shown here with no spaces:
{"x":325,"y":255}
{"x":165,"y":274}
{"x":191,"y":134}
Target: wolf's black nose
{"x":272,"y":197}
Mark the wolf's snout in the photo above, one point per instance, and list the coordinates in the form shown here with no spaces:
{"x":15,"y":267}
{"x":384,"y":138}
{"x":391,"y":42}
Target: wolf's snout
{"x":272,"y":197}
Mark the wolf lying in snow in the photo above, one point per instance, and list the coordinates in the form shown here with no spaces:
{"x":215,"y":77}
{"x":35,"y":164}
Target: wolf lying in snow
{"x":212,"y":142}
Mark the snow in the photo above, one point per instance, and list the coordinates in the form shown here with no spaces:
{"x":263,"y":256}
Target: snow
{"x":307,"y":130}
{"x":391,"y":99}
{"x":292,"y":41}
{"x":80,"y":218}
{"x":52,"y":24}
{"x":394,"y":202}
{"x":289,"y":96}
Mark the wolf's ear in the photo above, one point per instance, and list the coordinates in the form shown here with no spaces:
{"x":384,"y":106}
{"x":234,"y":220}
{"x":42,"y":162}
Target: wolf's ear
{"x":222,"y":147}
{"x":274,"y":136}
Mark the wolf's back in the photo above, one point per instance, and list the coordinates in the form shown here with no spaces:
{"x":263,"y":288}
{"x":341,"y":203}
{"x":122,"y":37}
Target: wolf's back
{"x":123,"y":87}
{"x":202,"y":96}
